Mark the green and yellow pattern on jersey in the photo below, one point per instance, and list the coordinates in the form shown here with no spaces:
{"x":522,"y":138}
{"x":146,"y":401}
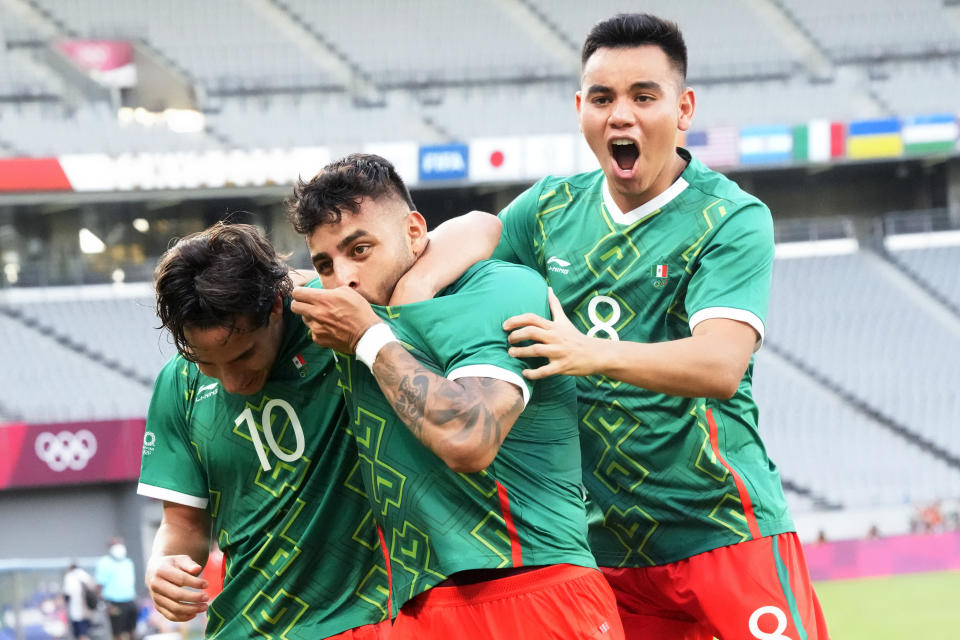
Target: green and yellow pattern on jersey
{"x":667,"y":477}
{"x":527,"y":507}
{"x":303,"y":559}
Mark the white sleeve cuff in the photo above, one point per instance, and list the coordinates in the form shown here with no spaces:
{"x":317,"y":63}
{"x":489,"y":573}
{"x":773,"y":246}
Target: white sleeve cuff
{"x":495,"y":372}
{"x":372,"y":341}
{"x":730,"y":313}
{"x":169,"y":495}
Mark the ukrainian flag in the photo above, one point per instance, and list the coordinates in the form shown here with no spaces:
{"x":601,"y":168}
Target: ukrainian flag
{"x":874,"y":139}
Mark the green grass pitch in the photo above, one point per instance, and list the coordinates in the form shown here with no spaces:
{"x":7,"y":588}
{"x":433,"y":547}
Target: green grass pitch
{"x":921,"y":606}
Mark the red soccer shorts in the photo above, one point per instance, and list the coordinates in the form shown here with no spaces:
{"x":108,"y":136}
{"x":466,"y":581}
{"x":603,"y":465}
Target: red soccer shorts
{"x":758,"y":589}
{"x":559,"y":602}
{"x":379,"y":631}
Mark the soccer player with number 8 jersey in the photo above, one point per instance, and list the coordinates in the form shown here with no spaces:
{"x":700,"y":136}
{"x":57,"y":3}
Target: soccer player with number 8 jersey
{"x":661,"y":270}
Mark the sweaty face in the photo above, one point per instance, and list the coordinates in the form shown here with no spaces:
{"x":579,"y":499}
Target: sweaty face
{"x":240,"y":357}
{"x":630,"y":106}
{"x":370,"y":250}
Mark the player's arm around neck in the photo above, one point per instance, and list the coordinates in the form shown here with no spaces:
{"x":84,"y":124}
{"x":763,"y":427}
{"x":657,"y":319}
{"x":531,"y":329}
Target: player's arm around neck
{"x":462,"y":421}
{"x":454,"y":247}
{"x":709,"y":364}
{"x":180,"y":550}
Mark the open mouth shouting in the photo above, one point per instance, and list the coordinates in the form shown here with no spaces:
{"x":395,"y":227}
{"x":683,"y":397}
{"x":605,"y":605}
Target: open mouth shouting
{"x":625,"y":153}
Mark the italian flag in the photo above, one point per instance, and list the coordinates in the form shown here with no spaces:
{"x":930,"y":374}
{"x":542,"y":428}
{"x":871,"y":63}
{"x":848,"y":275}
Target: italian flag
{"x":818,"y":141}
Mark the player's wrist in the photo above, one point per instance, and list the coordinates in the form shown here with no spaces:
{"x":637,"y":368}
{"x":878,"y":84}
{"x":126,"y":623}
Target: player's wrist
{"x":373,"y":340}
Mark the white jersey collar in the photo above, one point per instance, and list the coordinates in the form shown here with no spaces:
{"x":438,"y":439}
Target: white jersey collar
{"x":646,"y":208}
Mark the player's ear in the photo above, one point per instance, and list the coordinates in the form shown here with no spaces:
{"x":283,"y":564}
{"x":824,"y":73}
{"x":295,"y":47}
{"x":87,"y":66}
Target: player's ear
{"x":688,"y":101}
{"x":416,"y":227}
{"x":277,"y":309}
{"x":579,"y":105}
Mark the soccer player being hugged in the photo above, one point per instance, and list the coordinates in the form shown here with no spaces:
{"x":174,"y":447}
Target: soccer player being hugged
{"x":661,"y":270}
{"x":246,"y":441}
{"x":472,"y":470}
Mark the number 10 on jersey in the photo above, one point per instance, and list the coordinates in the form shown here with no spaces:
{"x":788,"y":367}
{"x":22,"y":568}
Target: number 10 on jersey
{"x":267,"y":426}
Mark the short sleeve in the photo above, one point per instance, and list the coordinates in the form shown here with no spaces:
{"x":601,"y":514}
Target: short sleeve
{"x":470,"y":341}
{"x":517,"y":235}
{"x":169,"y":467}
{"x":734,"y":271}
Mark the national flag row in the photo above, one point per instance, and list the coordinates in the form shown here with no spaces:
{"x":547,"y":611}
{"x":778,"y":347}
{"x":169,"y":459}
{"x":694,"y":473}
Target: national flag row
{"x":824,"y":141}
{"x":480,"y":160}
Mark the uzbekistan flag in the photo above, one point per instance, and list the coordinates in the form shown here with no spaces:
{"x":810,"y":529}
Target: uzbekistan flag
{"x":766,"y":145}
{"x":936,"y":133}
{"x":874,"y":139}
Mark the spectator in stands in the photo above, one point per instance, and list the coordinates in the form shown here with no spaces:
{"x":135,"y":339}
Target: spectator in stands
{"x":663,"y":268}
{"x":247,"y":442}
{"x":77,"y":583}
{"x":115,"y":575}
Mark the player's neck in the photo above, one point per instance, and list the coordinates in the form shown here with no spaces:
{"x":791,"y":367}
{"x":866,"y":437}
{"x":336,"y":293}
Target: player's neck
{"x":671,"y":172}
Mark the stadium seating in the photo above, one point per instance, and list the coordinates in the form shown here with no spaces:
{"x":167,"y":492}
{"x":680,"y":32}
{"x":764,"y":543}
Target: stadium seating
{"x":872,"y":29}
{"x":44,"y":381}
{"x":120,"y":329}
{"x":938,"y":266}
{"x":476,"y":42}
{"x":839,"y":453}
{"x":49,"y":129}
{"x":845,"y":318}
{"x":478,"y":71}
{"x":200,"y":39}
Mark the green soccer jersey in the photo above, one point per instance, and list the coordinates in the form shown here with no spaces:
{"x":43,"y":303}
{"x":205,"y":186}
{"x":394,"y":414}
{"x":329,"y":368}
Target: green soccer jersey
{"x":667,"y":477}
{"x":273,"y":470}
{"x":525,"y":509}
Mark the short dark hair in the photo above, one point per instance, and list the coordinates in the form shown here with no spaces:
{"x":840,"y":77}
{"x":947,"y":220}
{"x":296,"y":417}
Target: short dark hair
{"x":340,"y":186}
{"x":217,"y":276}
{"x":636,"y":30}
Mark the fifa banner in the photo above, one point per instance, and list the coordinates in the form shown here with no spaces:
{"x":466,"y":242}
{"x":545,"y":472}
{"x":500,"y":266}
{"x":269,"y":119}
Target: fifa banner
{"x":36,"y":455}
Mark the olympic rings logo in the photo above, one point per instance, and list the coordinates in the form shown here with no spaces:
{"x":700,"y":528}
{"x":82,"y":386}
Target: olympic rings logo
{"x":66,"y":450}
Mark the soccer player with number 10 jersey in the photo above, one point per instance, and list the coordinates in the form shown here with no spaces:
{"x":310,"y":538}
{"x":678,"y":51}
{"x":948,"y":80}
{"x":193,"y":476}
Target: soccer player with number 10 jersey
{"x":661,"y":270}
{"x":246,"y":440}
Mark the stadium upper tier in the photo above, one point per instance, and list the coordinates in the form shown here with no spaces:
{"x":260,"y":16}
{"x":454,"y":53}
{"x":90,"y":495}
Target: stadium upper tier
{"x":279,"y":73}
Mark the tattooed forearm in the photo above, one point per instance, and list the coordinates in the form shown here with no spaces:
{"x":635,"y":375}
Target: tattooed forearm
{"x":462,"y":421}
{"x":411,"y":401}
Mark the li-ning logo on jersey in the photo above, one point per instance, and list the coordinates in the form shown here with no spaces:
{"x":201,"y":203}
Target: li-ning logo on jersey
{"x":66,"y":450}
{"x":558,"y":265}
{"x":206,"y":391}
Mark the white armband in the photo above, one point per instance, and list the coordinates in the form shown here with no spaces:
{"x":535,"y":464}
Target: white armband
{"x":372,"y":341}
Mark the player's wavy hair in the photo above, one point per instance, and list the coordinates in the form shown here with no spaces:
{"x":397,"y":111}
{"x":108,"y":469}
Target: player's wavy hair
{"x":340,"y":186}
{"x":215,"y":277}
{"x":637,"y":30}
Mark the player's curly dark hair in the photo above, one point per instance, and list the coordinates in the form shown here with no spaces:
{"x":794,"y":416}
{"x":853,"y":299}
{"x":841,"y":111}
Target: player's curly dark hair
{"x":636,"y":30}
{"x":340,"y":186}
{"x":217,"y":276}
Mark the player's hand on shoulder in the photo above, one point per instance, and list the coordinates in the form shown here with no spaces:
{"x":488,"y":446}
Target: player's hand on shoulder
{"x":176,"y":587}
{"x":569,"y":351}
{"x":337,"y":318}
